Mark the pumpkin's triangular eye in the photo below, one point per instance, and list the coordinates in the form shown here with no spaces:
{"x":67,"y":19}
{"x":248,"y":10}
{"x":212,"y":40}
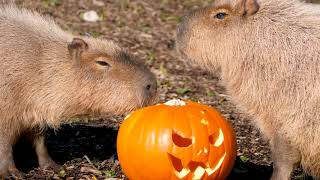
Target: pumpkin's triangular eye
{"x":213,"y":137}
{"x":180,"y":141}
{"x":217,"y":138}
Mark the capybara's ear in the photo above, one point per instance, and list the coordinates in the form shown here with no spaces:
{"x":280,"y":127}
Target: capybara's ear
{"x":247,"y":7}
{"x":76,"y":48}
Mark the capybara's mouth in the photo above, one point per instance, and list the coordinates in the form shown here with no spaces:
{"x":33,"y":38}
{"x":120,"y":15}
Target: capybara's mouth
{"x":187,"y":59}
{"x":151,"y":100}
{"x":181,"y":51}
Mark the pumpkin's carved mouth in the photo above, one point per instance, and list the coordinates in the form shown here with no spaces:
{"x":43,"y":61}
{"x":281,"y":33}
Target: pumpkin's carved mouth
{"x":198,"y":169}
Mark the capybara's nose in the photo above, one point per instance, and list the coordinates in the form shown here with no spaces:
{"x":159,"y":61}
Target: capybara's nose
{"x":150,"y":91}
{"x":148,"y":87}
{"x":151,"y":87}
{"x":181,"y":36}
{"x":182,"y":28}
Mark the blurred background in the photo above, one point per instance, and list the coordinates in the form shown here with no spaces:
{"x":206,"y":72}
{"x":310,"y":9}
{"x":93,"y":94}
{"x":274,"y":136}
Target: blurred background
{"x":147,"y":29}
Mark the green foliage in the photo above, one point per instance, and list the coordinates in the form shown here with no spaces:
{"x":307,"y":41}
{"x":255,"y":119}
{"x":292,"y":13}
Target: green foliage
{"x":62,"y":173}
{"x":96,"y":34}
{"x":163,"y":69}
{"x":170,"y":17}
{"x":47,"y":3}
{"x":109,"y":173}
{"x":210,"y":93}
{"x":244,"y":159}
{"x":183,"y":91}
{"x":151,"y":57}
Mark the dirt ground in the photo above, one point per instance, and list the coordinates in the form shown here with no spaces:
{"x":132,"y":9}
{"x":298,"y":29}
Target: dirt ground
{"x":87,"y":150}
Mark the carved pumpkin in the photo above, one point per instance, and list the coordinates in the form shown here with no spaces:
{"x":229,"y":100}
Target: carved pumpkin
{"x":176,"y":140}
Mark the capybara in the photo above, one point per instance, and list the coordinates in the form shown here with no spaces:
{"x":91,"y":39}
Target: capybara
{"x":48,"y":76}
{"x":267,"y":53}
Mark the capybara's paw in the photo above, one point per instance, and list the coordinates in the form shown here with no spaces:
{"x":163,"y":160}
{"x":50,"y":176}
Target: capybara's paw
{"x":50,"y":165}
{"x":12,"y":172}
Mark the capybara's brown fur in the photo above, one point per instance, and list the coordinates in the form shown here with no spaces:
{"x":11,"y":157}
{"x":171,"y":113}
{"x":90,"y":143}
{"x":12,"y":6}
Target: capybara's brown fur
{"x":267,"y":53}
{"x":48,"y":76}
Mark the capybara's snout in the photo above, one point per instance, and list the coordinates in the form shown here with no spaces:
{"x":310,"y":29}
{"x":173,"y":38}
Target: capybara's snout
{"x":182,"y":31}
{"x":149,"y":89}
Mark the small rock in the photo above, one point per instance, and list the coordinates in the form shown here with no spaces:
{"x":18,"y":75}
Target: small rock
{"x":91,"y":16}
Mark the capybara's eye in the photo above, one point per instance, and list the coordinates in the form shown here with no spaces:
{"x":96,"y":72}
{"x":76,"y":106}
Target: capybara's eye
{"x":220,"y":15}
{"x":103,"y":63}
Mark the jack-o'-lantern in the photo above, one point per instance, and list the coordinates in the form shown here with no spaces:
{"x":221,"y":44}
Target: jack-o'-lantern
{"x":176,"y":140}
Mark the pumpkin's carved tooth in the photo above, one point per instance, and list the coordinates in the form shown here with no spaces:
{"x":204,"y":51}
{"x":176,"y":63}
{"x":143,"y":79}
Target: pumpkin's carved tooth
{"x":202,"y":112}
{"x":205,"y":150}
{"x":220,"y":139}
{"x":210,"y":171}
{"x":198,"y":173}
{"x":199,"y":152}
{"x":183,"y":173}
{"x":193,"y":165}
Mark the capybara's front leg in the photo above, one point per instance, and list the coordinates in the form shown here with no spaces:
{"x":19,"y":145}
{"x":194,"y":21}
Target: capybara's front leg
{"x":45,"y":161}
{"x":7,"y":166}
{"x":284,"y":158}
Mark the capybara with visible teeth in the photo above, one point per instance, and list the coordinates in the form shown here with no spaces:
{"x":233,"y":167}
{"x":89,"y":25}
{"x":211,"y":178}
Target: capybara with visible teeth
{"x":48,"y":76}
{"x":267,"y":53}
